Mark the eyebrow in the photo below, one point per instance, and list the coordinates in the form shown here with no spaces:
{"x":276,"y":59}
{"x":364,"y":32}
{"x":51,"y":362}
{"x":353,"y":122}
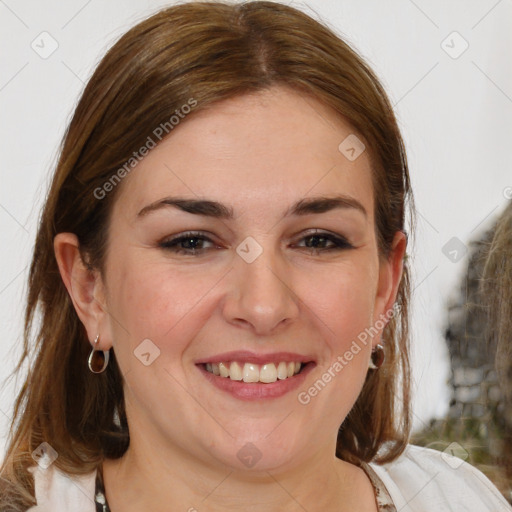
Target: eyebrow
{"x":218,"y":210}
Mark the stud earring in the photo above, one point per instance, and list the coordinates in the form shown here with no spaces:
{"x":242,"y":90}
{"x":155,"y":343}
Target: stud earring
{"x":98,"y":359}
{"x":378,"y":357}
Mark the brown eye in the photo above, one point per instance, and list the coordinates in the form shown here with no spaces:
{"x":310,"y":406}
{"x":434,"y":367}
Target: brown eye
{"x":317,"y":241}
{"x":188,"y":243}
{"x":325,"y":242}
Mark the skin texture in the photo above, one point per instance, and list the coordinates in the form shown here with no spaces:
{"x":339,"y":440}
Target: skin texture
{"x":257,"y":155}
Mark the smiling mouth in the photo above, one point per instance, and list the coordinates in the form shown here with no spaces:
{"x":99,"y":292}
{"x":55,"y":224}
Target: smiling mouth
{"x":256,"y":373}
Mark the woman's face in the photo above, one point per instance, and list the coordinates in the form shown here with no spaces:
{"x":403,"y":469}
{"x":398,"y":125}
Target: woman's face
{"x":245,"y":238}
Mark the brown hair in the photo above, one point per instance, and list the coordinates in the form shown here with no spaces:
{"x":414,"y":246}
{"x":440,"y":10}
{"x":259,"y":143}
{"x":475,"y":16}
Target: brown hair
{"x":496,"y":288}
{"x":208,"y":52}
{"x":497,"y":297}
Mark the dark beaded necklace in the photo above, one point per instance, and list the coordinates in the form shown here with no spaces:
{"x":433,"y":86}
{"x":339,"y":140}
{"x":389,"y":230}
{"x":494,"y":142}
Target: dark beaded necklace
{"x":100,"y":498}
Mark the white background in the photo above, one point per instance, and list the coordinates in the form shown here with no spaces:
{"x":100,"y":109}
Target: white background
{"x":455,"y":114}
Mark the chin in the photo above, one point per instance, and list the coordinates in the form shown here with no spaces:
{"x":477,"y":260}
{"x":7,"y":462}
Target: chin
{"x":255,"y":455}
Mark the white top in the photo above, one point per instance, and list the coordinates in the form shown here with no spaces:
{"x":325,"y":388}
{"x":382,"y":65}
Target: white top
{"x":420,"y":480}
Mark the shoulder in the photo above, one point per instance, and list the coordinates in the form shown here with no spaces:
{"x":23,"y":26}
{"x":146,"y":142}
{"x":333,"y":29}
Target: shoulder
{"x":424,"y":477}
{"x":56,"y":490}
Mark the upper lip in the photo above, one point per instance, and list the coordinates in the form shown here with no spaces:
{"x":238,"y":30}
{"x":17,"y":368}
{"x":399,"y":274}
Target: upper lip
{"x":252,"y":357}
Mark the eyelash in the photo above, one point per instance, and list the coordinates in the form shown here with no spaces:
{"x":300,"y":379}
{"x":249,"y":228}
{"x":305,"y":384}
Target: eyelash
{"x":340,"y":243}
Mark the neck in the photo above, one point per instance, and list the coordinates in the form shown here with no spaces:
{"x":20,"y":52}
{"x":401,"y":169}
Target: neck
{"x":144,"y":479}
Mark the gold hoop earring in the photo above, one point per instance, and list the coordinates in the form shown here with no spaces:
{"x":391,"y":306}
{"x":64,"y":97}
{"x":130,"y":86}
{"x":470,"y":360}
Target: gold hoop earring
{"x":377,"y":358}
{"x":98,"y":359}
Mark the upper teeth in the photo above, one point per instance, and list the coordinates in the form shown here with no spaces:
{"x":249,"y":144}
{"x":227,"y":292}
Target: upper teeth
{"x":250,"y":372}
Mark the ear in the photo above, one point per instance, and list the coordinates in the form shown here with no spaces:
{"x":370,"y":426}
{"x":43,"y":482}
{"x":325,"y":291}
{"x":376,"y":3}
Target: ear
{"x":85,"y":287}
{"x":390,"y":275}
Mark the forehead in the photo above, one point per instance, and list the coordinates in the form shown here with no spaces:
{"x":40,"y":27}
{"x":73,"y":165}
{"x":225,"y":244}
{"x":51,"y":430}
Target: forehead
{"x":254,"y":151}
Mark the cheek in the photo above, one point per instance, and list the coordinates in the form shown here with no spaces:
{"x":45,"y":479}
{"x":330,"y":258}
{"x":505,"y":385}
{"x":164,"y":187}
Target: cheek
{"x":343,"y":299}
{"x":342,"y":303}
{"x":152,"y":301}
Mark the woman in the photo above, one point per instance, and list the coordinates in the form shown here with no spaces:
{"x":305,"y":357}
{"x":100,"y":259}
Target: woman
{"x":220,"y":270}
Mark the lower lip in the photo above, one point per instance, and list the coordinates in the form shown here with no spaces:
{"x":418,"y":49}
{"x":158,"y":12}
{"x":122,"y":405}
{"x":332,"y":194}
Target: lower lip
{"x":257,"y":390}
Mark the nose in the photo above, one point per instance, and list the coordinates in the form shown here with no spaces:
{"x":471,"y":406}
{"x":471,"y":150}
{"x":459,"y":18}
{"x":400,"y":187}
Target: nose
{"x":260,"y":295}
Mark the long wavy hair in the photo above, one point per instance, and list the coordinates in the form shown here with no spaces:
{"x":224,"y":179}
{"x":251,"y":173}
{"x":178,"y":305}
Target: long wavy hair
{"x":209,"y":51}
{"x":496,"y":290}
{"x":496,"y":286}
